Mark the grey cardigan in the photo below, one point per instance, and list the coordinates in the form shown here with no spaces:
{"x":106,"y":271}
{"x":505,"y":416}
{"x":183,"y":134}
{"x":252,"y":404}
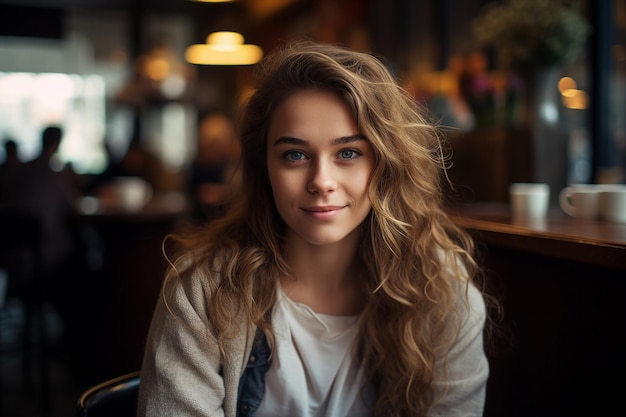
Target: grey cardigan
{"x":183,"y":372}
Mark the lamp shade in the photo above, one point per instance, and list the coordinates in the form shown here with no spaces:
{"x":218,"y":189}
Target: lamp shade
{"x":224,"y":48}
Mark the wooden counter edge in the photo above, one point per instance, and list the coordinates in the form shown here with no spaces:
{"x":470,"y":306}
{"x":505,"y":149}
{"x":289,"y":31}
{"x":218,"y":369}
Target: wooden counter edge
{"x":571,"y":248}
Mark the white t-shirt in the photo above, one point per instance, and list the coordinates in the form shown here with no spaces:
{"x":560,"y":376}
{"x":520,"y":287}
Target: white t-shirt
{"x":313,"y":372}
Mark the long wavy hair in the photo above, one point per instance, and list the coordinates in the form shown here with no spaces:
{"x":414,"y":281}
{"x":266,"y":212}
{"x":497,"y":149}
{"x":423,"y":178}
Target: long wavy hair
{"x":417,"y":261}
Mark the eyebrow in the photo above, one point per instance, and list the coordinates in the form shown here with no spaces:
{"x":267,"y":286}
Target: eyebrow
{"x":338,"y":141}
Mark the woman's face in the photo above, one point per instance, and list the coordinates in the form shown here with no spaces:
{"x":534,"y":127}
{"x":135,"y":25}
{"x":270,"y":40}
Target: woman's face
{"x":319,"y":167}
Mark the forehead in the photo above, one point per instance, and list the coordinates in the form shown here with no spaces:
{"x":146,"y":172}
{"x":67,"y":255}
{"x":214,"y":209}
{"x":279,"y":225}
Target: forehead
{"x":312,"y":112}
{"x":308,"y":95}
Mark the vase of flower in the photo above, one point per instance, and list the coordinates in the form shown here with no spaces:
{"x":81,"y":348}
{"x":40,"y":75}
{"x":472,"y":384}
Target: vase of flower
{"x":549,"y":139}
{"x":531,"y":32}
{"x":536,"y":39}
{"x":541,"y":104}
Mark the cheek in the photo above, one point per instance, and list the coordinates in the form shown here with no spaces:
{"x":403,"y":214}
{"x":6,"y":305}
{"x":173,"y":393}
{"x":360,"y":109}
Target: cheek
{"x":282,"y":188}
{"x":275,"y":181}
{"x":360,"y":185}
{"x":288,"y":181}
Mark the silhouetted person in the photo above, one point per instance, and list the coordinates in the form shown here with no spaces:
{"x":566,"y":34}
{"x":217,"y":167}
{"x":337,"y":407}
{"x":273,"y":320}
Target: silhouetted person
{"x":212,"y":172}
{"x":140,"y":162}
{"x":43,"y":188}
{"x":48,"y":193}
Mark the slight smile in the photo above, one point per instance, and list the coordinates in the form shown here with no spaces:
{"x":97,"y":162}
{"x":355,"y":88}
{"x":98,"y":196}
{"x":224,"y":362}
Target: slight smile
{"x":323,"y":212}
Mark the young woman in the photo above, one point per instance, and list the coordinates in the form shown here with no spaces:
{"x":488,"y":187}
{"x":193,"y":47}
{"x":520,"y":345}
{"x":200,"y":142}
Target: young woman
{"x":335,"y":285}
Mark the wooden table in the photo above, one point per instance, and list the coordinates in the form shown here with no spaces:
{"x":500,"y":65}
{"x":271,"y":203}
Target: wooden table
{"x":559,"y":236}
{"x":562,"y":285}
{"x":132,"y":270}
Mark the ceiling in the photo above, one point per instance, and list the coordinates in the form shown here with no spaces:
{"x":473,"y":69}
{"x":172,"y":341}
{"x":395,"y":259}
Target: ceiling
{"x":43,"y":18}
{"x":255,"y":8}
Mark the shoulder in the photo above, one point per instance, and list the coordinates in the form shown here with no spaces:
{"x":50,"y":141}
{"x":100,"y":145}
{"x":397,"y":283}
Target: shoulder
{"x":189,"y":282}
{"x":476,"y":308}
{"x":466,"y":333}
{"x":475,"y":299}
{"x":461,"y":377}
{"x":470,"y":303}
{"x":196,"y":275}
{"x":194,"y":269}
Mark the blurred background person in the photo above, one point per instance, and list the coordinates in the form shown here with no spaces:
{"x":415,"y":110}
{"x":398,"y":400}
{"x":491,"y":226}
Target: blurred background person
{"x":45,"y":189}
{"x":136,"y":161}
{"x":212,"y":174}
{"x":139,"y":162}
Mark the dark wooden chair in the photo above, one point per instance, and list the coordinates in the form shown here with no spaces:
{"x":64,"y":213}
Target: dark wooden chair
{"x":116,"y":397}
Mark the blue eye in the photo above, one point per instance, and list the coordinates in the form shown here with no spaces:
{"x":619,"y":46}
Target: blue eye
{"x":294,"y":155}
{"x":348,"y":154}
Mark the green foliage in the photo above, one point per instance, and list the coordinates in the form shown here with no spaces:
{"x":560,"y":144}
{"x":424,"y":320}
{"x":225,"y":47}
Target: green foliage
{"x":532,"y":32}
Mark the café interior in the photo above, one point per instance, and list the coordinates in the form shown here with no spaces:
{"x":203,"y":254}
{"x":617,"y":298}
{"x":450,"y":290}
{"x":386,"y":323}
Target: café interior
{"x":532,"y":94}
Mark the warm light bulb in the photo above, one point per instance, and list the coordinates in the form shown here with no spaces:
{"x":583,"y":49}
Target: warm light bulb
{"x":576,"y":99}
{"x":566,"y":83}
{"x":225,"y":41}
{"x":224,"y":48}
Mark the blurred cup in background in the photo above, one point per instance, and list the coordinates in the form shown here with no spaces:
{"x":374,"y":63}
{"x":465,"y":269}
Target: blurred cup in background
{"x":612,"y":203}
{"x":580,"y":200}
{"x":529,"y":200}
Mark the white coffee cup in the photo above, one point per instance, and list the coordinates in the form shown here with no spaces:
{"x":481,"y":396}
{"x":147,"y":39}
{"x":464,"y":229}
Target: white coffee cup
{"x":580,"y":200}
{"x":612,"y":203}
{"x":529,"y":200}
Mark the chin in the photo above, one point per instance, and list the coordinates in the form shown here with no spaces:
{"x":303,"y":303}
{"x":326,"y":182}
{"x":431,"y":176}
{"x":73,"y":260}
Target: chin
{"x":324,"y":240}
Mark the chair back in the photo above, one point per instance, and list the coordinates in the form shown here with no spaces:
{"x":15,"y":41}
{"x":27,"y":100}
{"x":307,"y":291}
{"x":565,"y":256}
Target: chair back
{"x":116,"y":397}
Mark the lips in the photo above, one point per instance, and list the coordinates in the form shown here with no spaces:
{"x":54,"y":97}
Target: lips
{"x":322,"y":208}
{"x":323,"y":212}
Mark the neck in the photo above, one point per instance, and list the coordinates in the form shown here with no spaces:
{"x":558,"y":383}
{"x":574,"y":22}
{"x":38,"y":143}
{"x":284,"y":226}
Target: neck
{"x":322,"y":265}
{"x":326,"y":278}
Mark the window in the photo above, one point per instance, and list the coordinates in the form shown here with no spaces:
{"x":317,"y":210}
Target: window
{"x":31,"y":101}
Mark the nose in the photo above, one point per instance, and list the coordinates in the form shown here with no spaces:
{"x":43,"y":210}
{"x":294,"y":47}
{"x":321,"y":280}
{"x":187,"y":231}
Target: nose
{"x":322,"y":180}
